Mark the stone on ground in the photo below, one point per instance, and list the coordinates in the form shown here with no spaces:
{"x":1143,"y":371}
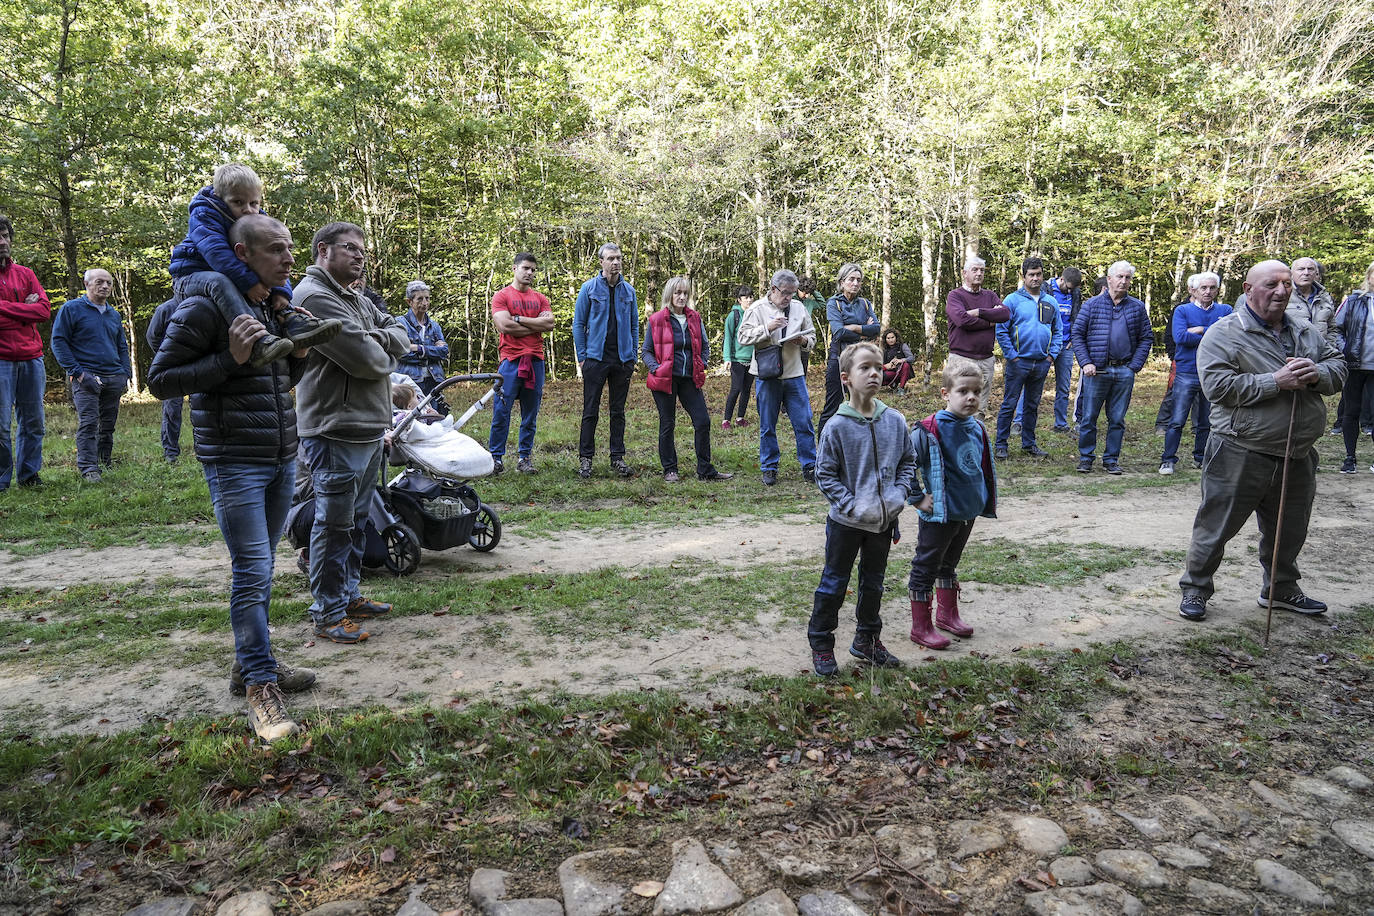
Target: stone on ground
{"x":414,"y":906}
{"x":1038,"y":835}
{"x":1217,"y":898}
{"x":1322,"y":790}
{"x":1285,"y":882}
{"x":1132,"y":867}
{"x":1072,"y":871}
{"x":588,"y":882}
{"x":1180,"y":856}
{"x":1272,"y":798}
{"x":1150,"y":827}
{"x":971,"y":838}
{"x":168,"y":906}
{"x":1350,"y":778}
{"x":695,"y":884}
{"x":341,"y":908}
{"x":254,"y":903}
{"x":1357,"y":834}
{"x":772,"y":903}
{"x":1092,"y":900}
{"x":828,"y":903}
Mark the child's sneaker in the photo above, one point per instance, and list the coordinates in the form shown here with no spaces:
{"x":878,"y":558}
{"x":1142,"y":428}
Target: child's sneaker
{"x":824,"y":663}
{"x":268,"y":349}
{"x":307,"y":330}
{"x":874,"y":652}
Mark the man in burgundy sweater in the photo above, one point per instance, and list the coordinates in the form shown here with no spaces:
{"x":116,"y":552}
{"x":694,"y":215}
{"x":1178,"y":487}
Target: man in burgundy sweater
{"x":23,"y":307}
{"x":974,"y":314}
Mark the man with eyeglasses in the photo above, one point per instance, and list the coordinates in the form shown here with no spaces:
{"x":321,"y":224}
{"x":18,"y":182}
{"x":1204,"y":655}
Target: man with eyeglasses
{"x":343,"y":406}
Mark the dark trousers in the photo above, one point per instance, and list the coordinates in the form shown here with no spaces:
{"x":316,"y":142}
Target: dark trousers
{"x":695,"y":405}
{"x":1238,"y":483}
{"x":739,"y":390}
{"x":939,"y":547}
{"x":842,"y":545}
{"x":1358,"y":386}
{"x":1023,"y":377}
{"x":1166,"y":406}
{"x":96,"y":415}
{"x":171,"y":428}
{"x":834,"y":394}
{"x":597,"y":374}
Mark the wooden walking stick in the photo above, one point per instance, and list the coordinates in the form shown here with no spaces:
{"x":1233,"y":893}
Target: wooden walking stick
{"x":1278,"y":522}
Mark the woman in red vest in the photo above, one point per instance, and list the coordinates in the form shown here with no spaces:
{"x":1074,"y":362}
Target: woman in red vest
{"x":675,"y":351}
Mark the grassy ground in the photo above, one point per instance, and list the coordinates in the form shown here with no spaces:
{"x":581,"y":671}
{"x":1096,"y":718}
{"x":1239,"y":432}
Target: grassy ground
{"x":365,"y":796}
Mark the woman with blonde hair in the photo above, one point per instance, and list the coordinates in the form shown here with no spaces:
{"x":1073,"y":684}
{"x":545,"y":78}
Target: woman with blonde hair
{"x":676,"y":351}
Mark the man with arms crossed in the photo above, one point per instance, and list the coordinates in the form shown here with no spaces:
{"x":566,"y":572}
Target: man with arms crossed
{"x":522,"y":316}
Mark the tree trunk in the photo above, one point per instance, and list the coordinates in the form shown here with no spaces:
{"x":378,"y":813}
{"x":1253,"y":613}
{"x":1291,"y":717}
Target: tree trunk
{"x":930,"y":295}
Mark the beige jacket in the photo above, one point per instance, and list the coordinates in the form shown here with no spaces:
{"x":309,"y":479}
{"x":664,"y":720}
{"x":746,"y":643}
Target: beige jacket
{"x":1236,"y":362}
{"x":753,"y":332}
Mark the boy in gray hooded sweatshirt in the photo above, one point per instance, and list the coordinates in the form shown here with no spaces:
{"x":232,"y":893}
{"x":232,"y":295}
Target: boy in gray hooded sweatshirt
{"x":865,"y":466}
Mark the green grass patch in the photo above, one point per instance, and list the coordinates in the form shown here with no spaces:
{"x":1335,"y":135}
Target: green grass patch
{"x":1052,"y":564}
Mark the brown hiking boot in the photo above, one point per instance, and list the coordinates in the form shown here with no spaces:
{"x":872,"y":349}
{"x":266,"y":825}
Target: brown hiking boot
{"x":290,"y":680}
{"x":361,"y":608}
{"x":267,"y":713}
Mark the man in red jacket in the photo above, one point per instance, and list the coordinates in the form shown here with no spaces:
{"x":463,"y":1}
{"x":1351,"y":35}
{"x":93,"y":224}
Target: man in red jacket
{"x":23,"y":307}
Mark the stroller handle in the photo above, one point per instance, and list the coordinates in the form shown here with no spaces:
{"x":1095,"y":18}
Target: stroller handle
{"x":495,"y":379}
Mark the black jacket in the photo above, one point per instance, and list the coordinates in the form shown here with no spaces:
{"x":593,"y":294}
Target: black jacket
{"x":239,"y":414}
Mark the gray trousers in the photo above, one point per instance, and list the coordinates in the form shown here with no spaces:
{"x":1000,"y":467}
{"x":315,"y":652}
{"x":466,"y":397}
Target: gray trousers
{"x":96,"y":415}
{"x":1236,"y":483}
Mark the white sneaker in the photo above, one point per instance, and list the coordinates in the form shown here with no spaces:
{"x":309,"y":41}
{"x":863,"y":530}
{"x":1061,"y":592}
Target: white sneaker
{"x":1166,"y":468}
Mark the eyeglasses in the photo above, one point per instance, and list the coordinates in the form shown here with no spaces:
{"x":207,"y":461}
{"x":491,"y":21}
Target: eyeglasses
{"x":351,"y":248}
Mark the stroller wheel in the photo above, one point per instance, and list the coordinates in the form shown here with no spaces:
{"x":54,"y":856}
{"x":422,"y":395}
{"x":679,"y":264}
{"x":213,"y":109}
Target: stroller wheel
{"x":486,"y":529}
{"x":402,"y":549}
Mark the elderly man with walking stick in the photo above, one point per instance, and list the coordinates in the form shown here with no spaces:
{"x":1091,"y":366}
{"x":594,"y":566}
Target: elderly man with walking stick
{"x":1265,"y":373}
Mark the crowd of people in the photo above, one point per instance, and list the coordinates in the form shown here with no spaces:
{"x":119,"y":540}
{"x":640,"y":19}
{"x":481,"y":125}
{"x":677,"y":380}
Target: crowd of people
{"x":237,"y":338}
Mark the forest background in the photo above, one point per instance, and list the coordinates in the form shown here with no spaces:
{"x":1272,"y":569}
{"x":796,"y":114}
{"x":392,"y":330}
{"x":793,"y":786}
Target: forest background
{"x":716,"y":139}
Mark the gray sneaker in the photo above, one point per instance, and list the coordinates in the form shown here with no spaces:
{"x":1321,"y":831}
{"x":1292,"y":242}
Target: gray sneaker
{"x":290,"y":680}
{"x":267,"y":713}
{"x":525,"y":466}
{"x":584,"y":468}
{"x":620,"y":467}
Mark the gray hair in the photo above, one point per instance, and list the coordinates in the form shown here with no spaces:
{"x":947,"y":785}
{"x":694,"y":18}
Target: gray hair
{"x":416,"y":286}
{"x":845,"y":271}
{"x":1121,"y":267}
{"x":86,"y":277}
{"x":605,"y":247}
{"x":783,"y":278}
{"x":1197,"y":280}
{"x":974,"y":261}
{"x":672,"y":286}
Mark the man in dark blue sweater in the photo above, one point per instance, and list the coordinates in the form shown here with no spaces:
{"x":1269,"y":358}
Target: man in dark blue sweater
{"x":1190,"y":321}
{"x":88,"y":341}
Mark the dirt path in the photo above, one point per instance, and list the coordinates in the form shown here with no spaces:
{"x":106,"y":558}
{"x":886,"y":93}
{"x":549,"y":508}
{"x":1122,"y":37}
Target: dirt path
{"x":423,"y":657}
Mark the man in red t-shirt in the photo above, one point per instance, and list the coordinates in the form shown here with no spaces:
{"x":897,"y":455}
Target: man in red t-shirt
{"x":522,"y":316}
{"x":23,"y":307}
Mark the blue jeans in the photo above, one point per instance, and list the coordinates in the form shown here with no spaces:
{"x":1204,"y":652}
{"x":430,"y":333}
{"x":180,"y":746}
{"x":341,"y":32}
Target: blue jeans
{"x":772,"y":395}
{"x":171,"y":428}
{"x":96,"y":414}
{"x":1187,"y":395}
{"x":1063,"y":383}
{"x":1028,"y":376}
{"x":251,"y":501}
{"x":842,"y":545}
{"x":1111,"y":386}
{"x":344,"y":475}
{"x":21,"y":395}
{"x":530,"y":398}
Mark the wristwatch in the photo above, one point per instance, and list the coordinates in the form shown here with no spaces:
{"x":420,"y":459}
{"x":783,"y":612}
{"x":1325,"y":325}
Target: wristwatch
{"x":517,"y":318}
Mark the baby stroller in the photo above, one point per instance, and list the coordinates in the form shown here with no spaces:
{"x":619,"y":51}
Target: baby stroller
{"x":429,"y":504}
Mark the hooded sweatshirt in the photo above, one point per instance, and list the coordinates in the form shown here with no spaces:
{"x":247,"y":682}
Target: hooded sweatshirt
{"x":865,"y":467}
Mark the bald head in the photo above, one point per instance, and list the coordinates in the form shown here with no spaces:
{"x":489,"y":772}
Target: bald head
{"x":1268,"y":286}
{"x":99,"y":285}
{"x":264,"y":244}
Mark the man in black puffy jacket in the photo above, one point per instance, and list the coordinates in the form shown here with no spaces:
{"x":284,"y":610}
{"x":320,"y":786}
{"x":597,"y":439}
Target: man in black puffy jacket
{"x":245,"y":437}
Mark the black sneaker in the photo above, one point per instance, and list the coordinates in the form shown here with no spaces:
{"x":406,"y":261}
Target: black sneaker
{"x":809,"y":473}
{"x":306,"y":330}
{"x":1113,"y":468}
{"x":584,"y":468}
{"x":1085,"y":466}
{"x":1001,"y":453}
{"x":34,"y":481}
{"x":714,"y":474}
{"x":1348,"y":466}
{"x":1193,"y":607}
{"x":1197,"y":464}
{"x":290,"y":680}
{"x":525,"y":466}
{"x":269,"y":348}
{"x":497,"y":466}
{"x":824,"y":663}
{"x":874,"y":652}
{"x":1297,"y":602}
{"x":620,"y":467}
{"x":770,"y":478}
{"x":1036,"y":451}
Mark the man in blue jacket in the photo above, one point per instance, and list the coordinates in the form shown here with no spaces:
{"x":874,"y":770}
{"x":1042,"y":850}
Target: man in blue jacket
{"x":1030,"y":340}
{"x":1190,"y":321}
{"x":88,"y":341}
{"x":606,"y":342}
{"x":1111,"y":338}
